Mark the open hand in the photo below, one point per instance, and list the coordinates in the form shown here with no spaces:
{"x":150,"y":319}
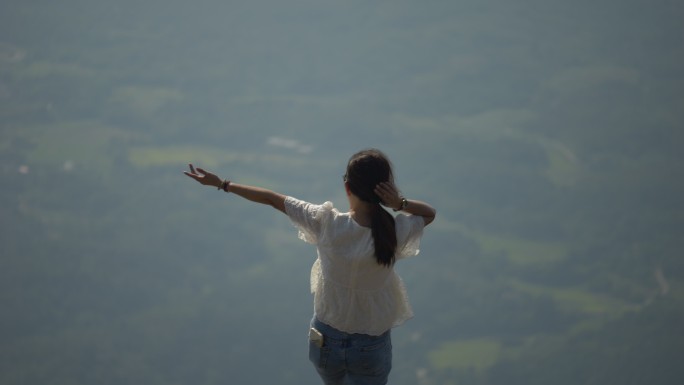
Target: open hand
{"x":389,"y":194}
{"x":203,"y":177}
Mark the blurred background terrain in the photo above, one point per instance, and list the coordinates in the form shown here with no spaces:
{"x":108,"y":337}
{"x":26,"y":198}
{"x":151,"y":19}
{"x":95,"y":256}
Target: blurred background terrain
{"x":548,"y":135}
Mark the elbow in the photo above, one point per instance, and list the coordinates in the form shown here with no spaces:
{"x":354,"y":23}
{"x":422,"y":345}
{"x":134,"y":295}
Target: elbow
{"x":430,"y":217}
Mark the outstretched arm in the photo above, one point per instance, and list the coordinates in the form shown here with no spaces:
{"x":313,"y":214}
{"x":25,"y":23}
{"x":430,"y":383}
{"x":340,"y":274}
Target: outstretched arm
{"x":252,"y":193}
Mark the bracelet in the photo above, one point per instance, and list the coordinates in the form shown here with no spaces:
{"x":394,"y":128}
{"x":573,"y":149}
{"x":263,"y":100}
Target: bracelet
{"x":404,"y":203}
{"x":224,"y":185}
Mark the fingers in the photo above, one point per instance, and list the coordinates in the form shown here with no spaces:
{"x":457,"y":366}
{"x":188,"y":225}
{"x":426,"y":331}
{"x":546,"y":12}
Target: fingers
{"x":385,"y":188}
{"x":200,"y":170}
{"x":386,"y":192}
{"x":202,"y":176}
{"x":193,"y":173}
{"x":381,"y":189}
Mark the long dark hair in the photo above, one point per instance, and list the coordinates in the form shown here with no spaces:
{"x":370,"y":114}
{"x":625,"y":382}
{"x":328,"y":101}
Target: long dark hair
{"x":365,"y":170}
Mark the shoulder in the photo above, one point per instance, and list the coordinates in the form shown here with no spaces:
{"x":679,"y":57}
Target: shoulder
{"x":294,"y":206}
{"x":409,"y":220}
{"x":409,"y":226}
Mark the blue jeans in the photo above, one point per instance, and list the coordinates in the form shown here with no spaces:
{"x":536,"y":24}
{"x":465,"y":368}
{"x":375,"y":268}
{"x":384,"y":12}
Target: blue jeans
{"x":351,"y":359}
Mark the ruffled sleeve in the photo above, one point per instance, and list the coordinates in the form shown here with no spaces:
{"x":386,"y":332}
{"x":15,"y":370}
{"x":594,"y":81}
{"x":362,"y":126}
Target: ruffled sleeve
{"x":308,"y":218}
{"x":409,"y":233}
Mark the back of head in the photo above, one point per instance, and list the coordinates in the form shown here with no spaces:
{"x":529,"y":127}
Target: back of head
{"x":365,"y":170}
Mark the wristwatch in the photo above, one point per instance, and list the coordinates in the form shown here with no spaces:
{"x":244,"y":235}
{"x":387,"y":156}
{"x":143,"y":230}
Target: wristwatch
{"x":404,"y":203}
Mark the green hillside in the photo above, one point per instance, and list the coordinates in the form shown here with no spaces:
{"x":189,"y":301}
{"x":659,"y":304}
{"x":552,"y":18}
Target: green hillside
{"x":548,"y":136}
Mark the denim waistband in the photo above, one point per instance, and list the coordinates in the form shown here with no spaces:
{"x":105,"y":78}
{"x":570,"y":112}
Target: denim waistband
{"x":330,"y":332}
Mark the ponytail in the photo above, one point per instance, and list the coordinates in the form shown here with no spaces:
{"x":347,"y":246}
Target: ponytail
{"x":365,"y":170}
{"x":384,"y":236}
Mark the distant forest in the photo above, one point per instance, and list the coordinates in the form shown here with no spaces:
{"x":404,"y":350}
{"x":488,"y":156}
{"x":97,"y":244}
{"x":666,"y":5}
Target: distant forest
{"x":547,"y":134}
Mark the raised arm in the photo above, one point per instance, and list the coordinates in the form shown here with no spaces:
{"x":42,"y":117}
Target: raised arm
{"x":392,"y":198}
{"x":252,"y":193}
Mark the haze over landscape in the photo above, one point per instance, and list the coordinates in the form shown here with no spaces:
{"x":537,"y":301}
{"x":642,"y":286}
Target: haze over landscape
{"x":547,"y":134}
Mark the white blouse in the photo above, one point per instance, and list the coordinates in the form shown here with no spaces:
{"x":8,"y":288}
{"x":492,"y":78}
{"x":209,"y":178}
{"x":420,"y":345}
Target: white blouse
{"x":352,"y":292}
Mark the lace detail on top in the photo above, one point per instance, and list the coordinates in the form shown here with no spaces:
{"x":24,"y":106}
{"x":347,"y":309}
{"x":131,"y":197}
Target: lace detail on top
{"x":352,"y":292}
{"x":309,"y":219}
